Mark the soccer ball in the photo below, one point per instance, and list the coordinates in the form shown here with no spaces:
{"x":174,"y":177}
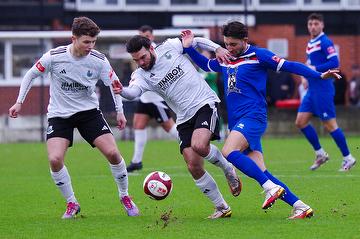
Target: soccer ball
{"x":157,"y":185}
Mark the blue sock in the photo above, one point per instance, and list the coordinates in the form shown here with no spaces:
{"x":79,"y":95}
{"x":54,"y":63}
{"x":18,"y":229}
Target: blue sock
{"x":289,"y":197}
{"x":340,"y":141}
{"x":247,"y":166}
{"x":311,"y":136}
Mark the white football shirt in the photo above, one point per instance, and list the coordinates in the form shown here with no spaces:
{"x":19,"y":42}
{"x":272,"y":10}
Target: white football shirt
{"x":72,"y":80}
{"x":176,"y":80}
{"x":149,"y":96}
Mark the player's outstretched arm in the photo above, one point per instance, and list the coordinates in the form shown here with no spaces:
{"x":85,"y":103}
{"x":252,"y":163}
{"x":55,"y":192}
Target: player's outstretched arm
{"x":25,"y":86}
{"x":203,"y":62}
{"x":188,"y":39}
{"x":303,"y":70}
{"x":131,"y":92}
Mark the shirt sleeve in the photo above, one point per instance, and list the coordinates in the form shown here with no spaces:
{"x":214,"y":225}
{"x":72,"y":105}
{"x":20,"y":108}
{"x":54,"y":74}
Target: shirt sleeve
{"x":205,"y":44}
{"x":40,"y":68}
{"x":269,"y":60}
{"x":138,"y":80}
{"x":203,"y":62}
{"x":108,"y":75}
{"x":328,"y":48}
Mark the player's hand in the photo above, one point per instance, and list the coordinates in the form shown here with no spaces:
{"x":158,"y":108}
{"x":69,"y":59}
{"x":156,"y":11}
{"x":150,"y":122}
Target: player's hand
{"x":121,"y":120}
{"x":187,"y":38}
{"x":304,"y":83}
{"x":117,"y":87}
{"x":14,"y":110}
{"x":331,"y":74}
{"x":223,"y":55}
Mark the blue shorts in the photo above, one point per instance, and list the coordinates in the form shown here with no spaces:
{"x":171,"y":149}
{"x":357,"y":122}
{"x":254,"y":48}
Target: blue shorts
{"x":252,"y":129}
{"x":320,"y":104}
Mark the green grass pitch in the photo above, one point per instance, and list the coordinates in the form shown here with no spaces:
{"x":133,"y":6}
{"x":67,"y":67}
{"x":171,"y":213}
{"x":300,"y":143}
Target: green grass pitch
{"x":31,"y":205}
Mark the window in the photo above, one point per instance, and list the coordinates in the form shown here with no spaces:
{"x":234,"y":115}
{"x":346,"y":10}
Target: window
{"x":317,"y":2}
{"x":142,"y":2}
{"x":184,"y":2}
{"x":230,"y":2}
{"x":24,"y":56}
{"x":277,"y":1}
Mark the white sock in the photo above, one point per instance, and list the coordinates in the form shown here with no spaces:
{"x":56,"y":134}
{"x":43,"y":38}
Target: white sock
{"x":349,"y":158}
{"x":63,"y":182}
{"x":173,"y":132}
{"x":299,"y":204}
{"x":208,"y":186}
{"x":268,"y":185}
{"x":121,"y":178}
{"x":140,"y":142}
{"x":321,"y":151}
{"x":215,"y":157}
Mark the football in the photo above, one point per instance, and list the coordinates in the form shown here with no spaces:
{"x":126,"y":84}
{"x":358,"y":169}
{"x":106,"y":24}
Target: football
{"x":157,"y":185}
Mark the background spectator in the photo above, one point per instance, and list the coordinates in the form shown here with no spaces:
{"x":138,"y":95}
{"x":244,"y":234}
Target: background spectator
{"x":280,"y":86}
{"x":354,"y":88}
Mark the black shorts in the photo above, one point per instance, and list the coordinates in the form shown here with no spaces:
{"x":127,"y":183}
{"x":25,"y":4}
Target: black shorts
{"x":153,"y":111}
{"x":205,"y":117}
{"x":90,"y":123}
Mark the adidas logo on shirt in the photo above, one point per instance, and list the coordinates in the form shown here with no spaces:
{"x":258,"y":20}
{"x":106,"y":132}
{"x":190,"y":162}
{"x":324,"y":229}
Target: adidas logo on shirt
{"x":104,"y":128}
{"x":63,"y":71}
{"x":205,"y":123}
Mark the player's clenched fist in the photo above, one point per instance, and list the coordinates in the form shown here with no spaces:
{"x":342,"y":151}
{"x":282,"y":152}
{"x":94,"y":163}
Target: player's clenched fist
{"x":14,"y":110}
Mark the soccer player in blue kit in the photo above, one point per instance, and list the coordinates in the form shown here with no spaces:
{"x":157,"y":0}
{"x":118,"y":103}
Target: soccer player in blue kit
{"x":319,"y":99}
{"x":245,"y":89}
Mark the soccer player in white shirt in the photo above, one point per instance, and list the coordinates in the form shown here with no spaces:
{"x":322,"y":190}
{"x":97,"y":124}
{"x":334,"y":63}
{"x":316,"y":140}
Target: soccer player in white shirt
{"x":150,"y":105}
{"x":166,"y":71}
{"x":74,"y":70}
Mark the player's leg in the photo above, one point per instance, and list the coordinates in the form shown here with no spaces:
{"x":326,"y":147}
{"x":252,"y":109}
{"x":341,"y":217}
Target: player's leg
{"x":206,"y":128}
{"x":140,"y":121}
{"x":233,"y":149}
{"x":300,"y":209}
{"x":337,"y":134}
{"x":163,"y":117}
{"x":59,"y":138}
{"x":206,"y":183}
{"x":313,"y":105}
{"x":170,"y":127}
{"x":203,"y":180}
{"x":95,"y":130}
{"x":302,"y":122}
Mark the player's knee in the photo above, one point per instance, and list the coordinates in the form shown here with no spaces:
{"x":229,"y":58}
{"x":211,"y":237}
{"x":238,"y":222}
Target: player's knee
{"x":330,"y":128}
{"x":226,"y":151}
{"x":200,"y":148}
{"x":56,"y":161}
{"x":113,"y":155}
{"x":299,"y":123}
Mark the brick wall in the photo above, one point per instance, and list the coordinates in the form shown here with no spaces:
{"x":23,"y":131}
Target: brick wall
{"x":31,"y":106}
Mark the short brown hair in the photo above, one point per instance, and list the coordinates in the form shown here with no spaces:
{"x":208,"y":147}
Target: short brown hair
{"x":235,"y":29}
{"x":316,"y":16}
{"x":146,"y":28}
{"x":84,"y":26}
{"x":136,"y":43}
